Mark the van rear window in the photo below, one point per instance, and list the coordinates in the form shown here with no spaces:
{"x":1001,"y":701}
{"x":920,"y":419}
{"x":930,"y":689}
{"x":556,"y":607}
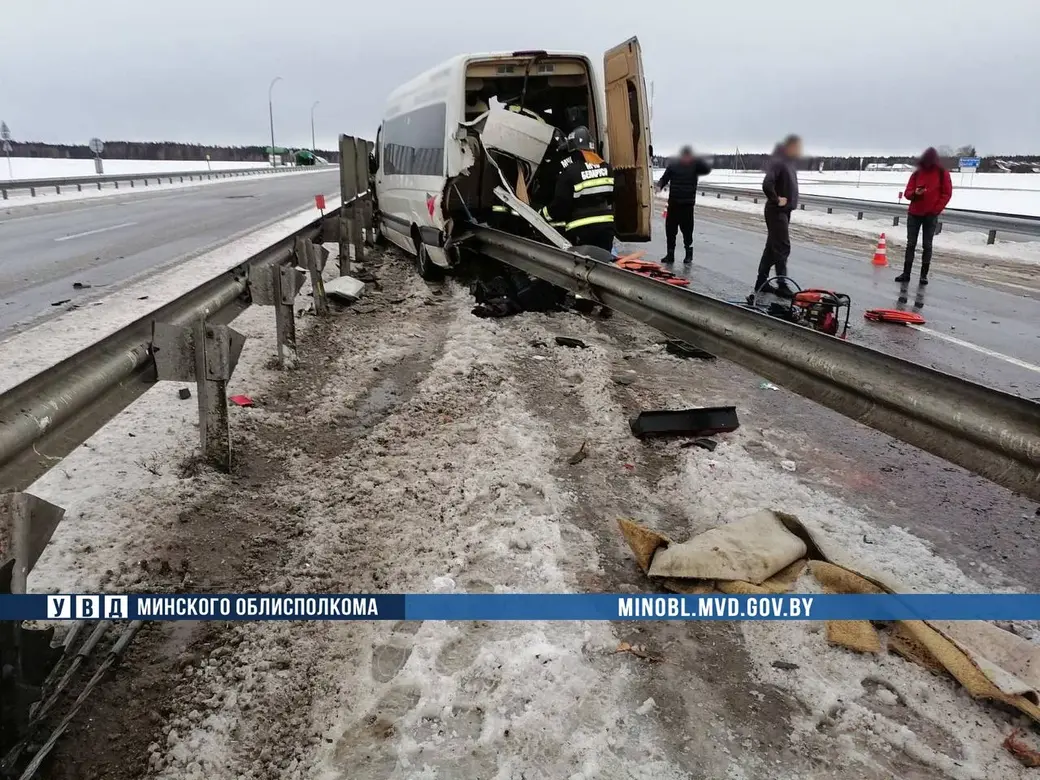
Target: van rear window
{"x":413,"y":143}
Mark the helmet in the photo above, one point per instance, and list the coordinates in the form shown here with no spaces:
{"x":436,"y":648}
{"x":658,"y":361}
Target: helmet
{"x":580,"y":140}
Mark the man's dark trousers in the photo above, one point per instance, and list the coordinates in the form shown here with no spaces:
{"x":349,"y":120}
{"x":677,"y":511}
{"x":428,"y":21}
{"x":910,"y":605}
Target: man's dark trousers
{"x":778,"y":246}
{"x":914,"y":224}
{"x":680,"y":217}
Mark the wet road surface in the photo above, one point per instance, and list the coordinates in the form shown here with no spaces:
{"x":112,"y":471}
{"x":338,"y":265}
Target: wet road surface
{"x":972,"y":331}
{"x":45,"y":250}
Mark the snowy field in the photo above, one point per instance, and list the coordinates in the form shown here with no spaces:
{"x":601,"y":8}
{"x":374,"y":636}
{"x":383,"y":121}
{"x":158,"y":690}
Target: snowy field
{"x":420,"y":449}
{"x":52,"y":168}
{"x":1008,"y":193}
{"x":965,"y":242}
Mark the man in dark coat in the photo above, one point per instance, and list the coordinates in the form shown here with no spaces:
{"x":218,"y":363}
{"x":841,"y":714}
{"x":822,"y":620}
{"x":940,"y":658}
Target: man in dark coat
{"x":929,"y":190}
{"x":681,"y":177}
{"x":780,"y":186}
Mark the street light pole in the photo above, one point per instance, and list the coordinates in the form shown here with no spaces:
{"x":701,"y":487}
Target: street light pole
{"x":313,"y":147}
{"x":270,"y":113}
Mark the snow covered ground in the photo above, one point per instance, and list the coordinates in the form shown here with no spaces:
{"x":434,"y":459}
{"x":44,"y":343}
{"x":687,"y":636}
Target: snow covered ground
{"x":1007,"y":193}
{"x":419,"y":449}
{"x":53,"y":168}
{"x":24,"y":198}
{"x":959,"y":241}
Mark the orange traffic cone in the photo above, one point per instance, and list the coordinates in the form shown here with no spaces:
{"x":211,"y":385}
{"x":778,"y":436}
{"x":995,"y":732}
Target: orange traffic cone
{"x":881,"y":253}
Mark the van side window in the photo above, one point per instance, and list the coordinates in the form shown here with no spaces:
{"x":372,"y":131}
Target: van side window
{"x":413,"y":143}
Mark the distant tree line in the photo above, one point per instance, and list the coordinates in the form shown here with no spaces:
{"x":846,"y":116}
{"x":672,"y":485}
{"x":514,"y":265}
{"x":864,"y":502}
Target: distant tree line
{"x":150,"y":150}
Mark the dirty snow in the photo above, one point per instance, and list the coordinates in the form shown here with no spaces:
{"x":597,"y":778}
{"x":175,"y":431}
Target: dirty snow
{"x":420,"y":449}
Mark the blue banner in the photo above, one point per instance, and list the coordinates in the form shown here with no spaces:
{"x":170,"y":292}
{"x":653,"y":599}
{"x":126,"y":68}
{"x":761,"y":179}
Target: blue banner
{"x":519,"y":606}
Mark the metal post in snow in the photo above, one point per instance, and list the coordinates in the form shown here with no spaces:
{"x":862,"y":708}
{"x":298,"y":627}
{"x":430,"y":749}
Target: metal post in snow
{"x":206,"y":354}
{"x":270,"y":113}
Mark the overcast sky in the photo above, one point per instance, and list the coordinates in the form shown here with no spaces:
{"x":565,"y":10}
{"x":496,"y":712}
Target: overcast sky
{"x":852,"y":76}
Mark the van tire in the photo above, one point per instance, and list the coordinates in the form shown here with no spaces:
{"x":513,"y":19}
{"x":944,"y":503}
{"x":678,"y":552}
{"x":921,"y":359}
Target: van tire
{"x":428,"y":270}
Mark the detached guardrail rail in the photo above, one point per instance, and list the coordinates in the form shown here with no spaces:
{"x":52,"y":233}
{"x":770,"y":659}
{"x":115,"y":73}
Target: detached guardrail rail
{"x":32,"y":185}
{"x":991,"y":433}
{"x":989,"y":221}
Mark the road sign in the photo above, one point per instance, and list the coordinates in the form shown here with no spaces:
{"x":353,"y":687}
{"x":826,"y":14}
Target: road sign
{"x":96,"y":146}
{"x":5,"y":132}
{"x":970,"y":162}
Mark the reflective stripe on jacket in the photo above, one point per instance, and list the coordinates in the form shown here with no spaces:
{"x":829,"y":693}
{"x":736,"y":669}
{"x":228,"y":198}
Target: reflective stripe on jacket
{"x":584,"y":193}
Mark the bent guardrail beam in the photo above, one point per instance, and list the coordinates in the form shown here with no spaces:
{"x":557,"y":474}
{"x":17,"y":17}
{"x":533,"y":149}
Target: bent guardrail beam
{"x":989,"y":432}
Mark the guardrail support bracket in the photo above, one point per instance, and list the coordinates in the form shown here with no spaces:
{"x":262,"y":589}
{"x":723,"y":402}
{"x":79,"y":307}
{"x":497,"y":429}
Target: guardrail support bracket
{"x":313,"y":258}
{"x":26,"y":526}
{"x":277,"y":285}
{"x":207,"y":354}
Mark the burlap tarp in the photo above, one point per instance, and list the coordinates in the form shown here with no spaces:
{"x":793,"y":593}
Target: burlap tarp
{"x":766,"y":553}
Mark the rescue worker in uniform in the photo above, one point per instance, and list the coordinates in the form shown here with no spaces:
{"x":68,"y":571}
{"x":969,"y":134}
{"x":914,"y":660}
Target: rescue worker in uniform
{"x":582,"y":207}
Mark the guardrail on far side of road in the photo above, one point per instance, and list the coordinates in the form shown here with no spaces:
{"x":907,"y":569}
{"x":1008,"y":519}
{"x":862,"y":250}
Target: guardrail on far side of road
{"x":987,"y":221}
{"x":32,"y":185}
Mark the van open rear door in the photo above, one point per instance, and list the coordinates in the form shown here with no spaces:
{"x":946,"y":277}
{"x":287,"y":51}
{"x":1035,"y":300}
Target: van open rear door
{"x":628,"y":133}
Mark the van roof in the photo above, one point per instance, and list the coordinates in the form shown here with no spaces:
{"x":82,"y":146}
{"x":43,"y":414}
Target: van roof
{"x":459,"y":61}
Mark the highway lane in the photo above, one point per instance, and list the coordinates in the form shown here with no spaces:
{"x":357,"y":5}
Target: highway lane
{"x":106,"y":241}
{"x":972,"y":330}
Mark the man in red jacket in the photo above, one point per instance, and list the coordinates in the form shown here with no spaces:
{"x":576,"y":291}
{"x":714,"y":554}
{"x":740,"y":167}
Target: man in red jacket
{"x":929,"y":190}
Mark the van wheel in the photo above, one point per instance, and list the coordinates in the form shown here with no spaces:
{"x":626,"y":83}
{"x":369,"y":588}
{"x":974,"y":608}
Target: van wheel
{"x":428,"y":269}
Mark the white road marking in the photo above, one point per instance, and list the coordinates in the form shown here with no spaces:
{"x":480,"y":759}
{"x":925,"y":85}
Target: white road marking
{"x":92,"y":232}
{"x":984,"y":350}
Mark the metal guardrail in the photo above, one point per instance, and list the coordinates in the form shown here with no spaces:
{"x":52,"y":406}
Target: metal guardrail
{"x":15,"y":185}
{"x":991,"y":433}
{"x":49,"y":415}
{"x":990,"y":222}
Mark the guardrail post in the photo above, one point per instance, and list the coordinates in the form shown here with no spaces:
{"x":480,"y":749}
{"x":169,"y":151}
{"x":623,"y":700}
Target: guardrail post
{"x":859,"y":215}
{"x":313,"y":258}
{"x":131,"y":184}
{"x":32,"y":191}
{"x":938,"y":228}
{"x":992,"y":237}
{"x":370,"y":232}
{"x":99,"y":186}
{"x":207,"y":354}
{"x":830,"y":210}
{"x":358,"y":210}
{"x":57,"y":189}
{"x":277,"y":285}
{"x":26,"y":526}
{"x":345,"y":240}
{"x":79,"y":188}
{"x":4,"y":194}
{"x":895,"y":221}
{"x":116,"y":183}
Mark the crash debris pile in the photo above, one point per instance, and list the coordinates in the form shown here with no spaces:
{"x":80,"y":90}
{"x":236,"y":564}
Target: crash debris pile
{"x":767,"y":552}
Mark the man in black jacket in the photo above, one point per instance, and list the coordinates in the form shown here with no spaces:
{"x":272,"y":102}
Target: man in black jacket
{"x":680,"y":177}
{"x":780,"y":186}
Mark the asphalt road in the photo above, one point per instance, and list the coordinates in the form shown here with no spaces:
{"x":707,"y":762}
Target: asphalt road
{"x":972,"y":330}
{"x":106,"y":241}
